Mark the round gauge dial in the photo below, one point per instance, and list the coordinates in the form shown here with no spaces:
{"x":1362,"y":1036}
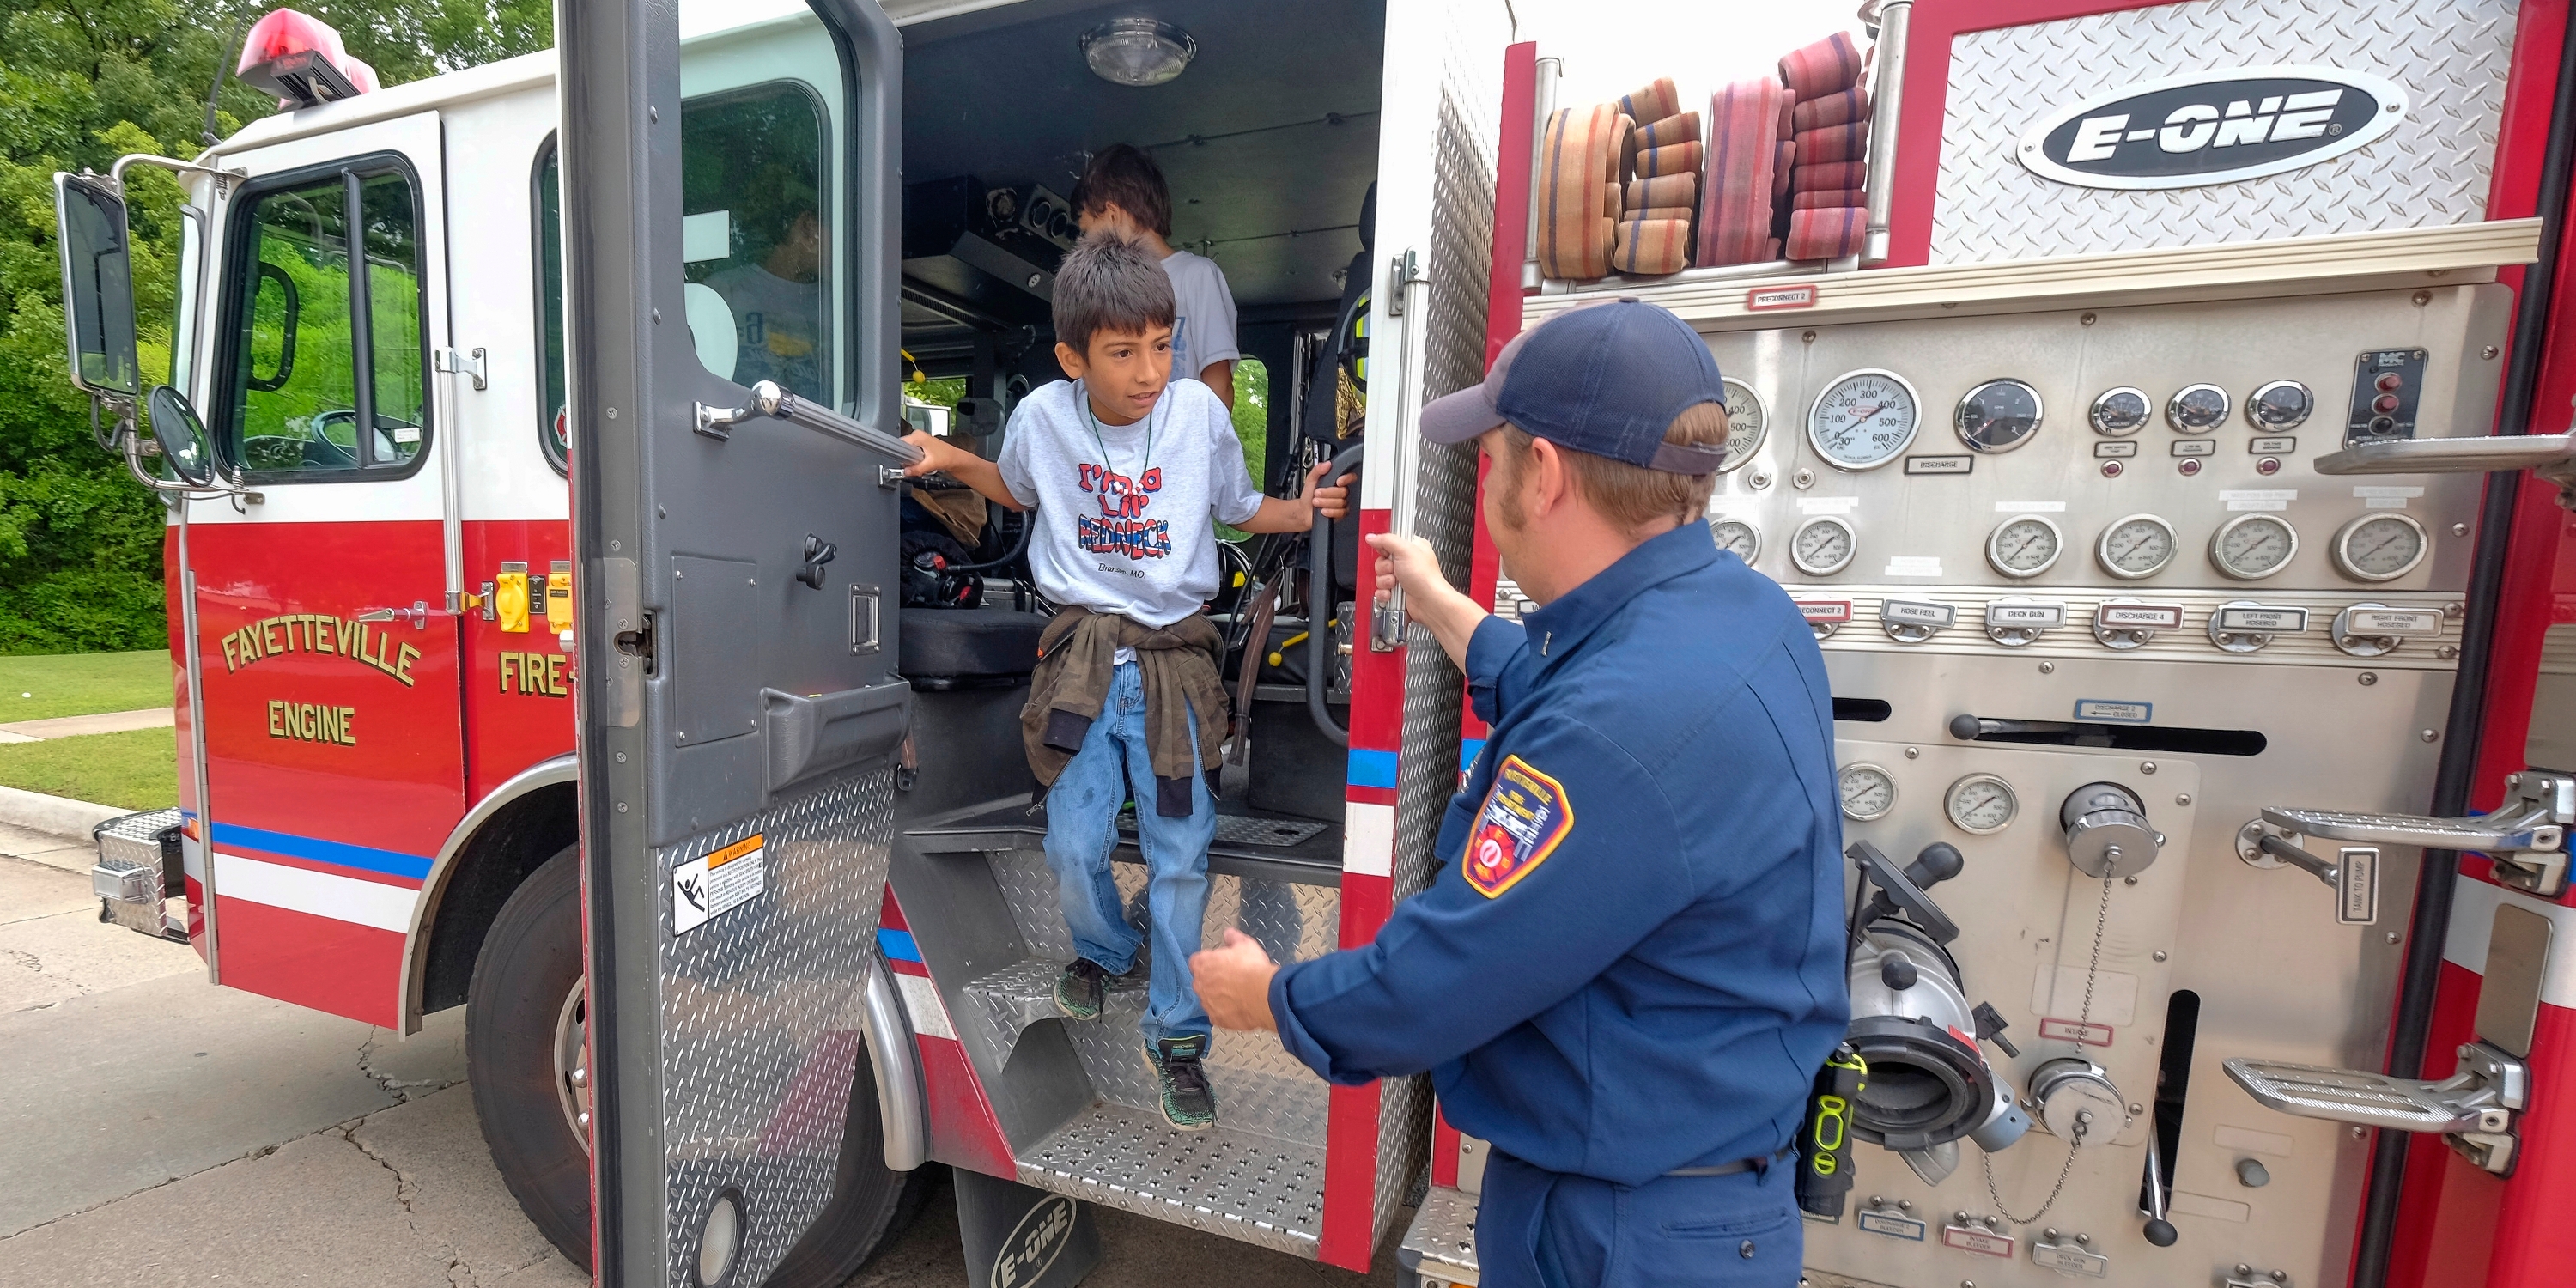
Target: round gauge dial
{"x":1738,"y":536}
{"x":2250,"y":547}
{"x":1746,"y":421}
{"x":2196,"y":409}
{"x":2024,"y":546}
{"x":2119,"y":412}
{"x":1823,"y":546}
{"x":2380,"y":547}
{"x":1863,"y":420}
{"x":1998,"y":416}
{"x":2137,"y":546}
{"x":1868,"y":792}
{"x":1981,"y":804}
{"x":2280,"y":405}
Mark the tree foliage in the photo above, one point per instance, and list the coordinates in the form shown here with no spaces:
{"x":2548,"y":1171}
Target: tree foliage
{"x":84,"y":82}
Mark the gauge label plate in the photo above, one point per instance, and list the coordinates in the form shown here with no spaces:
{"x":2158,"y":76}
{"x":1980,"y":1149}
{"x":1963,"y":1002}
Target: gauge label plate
{"x":1940,"y":465}
{"x":2195,"y":447}
{"x":2122,"y":447}
{"x":2162,"y":617}
{"x":1969,"y":1239}
{"x":1917,"y":612}
{"x":2114,"y":711}
{"x":2267,"y":621}
{"x":2274,"y":447}
{"x":2042,"y":615}
{"x":1825,"y":610}
{"x":2393,"y":621}
{"x":2076,"y":1031}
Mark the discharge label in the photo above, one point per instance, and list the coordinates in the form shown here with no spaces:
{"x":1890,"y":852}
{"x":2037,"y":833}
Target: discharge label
{"x":707,"y":888}
{"x":1891,"y":1225}
{"x":2392,"y":621}
{"x":1967,"y":1239}
{"x":2132,"y":616}
{"x":2270,"y":621}
{"x":2043,"y":615}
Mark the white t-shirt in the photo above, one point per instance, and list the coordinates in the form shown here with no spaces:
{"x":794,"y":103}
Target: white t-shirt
{"x":1124,"y":525}
{"x":1203,"y":321}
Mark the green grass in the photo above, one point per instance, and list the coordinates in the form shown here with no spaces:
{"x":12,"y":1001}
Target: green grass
{"x":80,"y":684}
{"x":138,"y":769}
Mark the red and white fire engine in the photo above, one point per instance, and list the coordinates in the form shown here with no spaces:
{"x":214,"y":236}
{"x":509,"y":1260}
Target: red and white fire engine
{"x":2167,"y":459}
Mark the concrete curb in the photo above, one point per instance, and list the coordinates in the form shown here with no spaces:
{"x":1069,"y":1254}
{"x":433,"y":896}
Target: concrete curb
{"x":59,"y":815}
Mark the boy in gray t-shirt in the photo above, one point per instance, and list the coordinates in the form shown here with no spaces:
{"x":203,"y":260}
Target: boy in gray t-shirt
{"x":1128,"y":470}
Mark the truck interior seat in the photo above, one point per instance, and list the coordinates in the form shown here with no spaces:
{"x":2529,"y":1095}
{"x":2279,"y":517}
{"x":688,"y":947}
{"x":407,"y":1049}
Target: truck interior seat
{"x":949,"y":644}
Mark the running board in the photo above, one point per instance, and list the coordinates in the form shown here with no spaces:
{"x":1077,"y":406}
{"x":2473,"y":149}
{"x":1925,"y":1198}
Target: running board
{"x":2473,"y":1109}
{"x":1239,"y":1184}
{"x":1439,"y":1248}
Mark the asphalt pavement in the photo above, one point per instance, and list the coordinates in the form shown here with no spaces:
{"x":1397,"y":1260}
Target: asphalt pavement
{"x":157,"y":1130}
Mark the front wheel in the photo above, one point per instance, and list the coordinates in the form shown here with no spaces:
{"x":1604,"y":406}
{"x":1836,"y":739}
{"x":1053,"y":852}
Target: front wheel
{"x":526,"y":1054}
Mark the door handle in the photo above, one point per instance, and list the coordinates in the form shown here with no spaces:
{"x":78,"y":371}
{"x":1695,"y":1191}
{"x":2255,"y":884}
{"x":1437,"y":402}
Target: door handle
{"x":417,"y":614}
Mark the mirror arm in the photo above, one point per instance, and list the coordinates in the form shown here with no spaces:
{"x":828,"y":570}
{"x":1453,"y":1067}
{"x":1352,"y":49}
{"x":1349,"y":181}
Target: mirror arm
{"x":130,"y":435}
{"x":116,"y":173}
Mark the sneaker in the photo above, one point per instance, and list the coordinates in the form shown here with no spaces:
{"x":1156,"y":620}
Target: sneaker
{"x":1189,"y":1103}
{"x":1080,"y":988}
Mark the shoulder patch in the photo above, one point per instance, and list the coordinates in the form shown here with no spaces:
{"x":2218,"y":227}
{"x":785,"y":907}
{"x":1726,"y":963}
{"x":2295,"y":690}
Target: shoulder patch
{"x":1525,"y":814}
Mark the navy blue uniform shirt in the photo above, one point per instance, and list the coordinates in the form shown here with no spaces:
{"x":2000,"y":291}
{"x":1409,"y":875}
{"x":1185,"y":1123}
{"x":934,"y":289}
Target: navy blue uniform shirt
{"x":1631,"y":959}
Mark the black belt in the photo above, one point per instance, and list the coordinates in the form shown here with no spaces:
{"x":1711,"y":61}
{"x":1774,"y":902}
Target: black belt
{"x":1762,"y":1164}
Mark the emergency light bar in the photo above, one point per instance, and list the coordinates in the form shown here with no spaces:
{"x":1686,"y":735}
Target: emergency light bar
{"x":300,"y":59}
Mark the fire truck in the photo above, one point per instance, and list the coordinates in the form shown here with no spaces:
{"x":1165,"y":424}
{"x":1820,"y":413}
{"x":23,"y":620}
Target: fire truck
{"x":2172,"y":469}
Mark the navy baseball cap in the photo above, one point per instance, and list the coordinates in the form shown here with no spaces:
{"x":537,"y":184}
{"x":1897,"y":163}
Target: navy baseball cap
{"x":1607,"y":378}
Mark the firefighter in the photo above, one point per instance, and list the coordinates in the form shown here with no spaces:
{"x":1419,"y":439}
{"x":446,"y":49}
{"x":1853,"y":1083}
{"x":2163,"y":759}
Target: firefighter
{"x":1630,"y":964}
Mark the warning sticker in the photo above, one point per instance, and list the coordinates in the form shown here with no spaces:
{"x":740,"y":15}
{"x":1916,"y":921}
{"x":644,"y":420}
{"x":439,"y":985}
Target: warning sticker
{"x":703,"y":889}
{"x":1526,"y":814}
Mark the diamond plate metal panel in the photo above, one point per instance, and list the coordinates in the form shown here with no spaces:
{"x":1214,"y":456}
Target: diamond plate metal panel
{"x":1441,"y":1242}
{"x":760,"y":1019}
{"x":1260,"y":1088}
{"x":1227,"y":1181}
{"x":2450,"y":55}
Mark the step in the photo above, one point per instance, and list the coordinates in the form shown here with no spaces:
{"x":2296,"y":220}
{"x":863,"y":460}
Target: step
{"x":1440,"y":1246}
{"x":1015,"y":997}
{"x":1228,"y":1181}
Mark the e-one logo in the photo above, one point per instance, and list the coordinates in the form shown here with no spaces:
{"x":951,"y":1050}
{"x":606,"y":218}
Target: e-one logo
{"x":2211,"y":127}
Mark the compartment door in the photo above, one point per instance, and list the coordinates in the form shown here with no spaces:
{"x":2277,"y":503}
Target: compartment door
{"x":729,"y":217}
{"x":326,"y":651}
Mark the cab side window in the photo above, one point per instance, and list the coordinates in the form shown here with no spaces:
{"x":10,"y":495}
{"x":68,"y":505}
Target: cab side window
{"x":326,"y":332}
{"x":756,"y":229}
{"x":554,"y":414}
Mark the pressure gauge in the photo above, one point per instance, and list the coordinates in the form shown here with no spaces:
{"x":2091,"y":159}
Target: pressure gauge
{"x":2196,"y":409}
{"x":1981,"y":804}
{"x":1823,"y":546}
{"x":2024,"y":546}
{"x":2251,"y":547}
{"x":2134,"y":547}
{"x":1868,"y":792}
{"x":2119,"y":412}
{"x":1746,"y":419}
{"x":1998,"y":416}
{"x":2278,"y":406}
{"x":1863,"y":420}
{"x":1738,"y":536}
{"x":2380,"y":547}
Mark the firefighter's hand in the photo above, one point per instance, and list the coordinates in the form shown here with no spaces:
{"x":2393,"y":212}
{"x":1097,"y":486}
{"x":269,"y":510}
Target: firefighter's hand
{"x":1233,"y":982}
{"x":1409,"y":564}
{"x":1333,"y":502}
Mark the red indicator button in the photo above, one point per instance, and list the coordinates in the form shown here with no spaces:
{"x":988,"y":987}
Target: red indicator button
{"x":2384,"y":403}
{"x":2389,"y":380}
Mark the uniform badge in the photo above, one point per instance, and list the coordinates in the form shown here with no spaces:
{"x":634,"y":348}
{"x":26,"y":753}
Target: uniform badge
{"x":1525,"y":815}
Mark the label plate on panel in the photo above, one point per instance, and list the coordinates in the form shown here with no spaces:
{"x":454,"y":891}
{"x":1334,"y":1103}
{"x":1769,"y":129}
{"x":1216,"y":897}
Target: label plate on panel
{"x":1891,"y":1225}
{"x":2124,"y":447}
{"x":2163,"y":617}
{"x":1970,"y":1239}
{"x":2043,"y":615}
{"x":2195,"y":447}
{"x":2119,"y":712}
{"x":2268,"y":621}
{"x":1940,"y":465}
{"x":1835,"y":611}
{"x":2273,"y":446}
{"x":1917,"y":612}
{"x":2392,"y":621}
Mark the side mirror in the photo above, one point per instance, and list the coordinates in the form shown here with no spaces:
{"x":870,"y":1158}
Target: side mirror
{"x":98,"y":285}
{"x":181,"y":435}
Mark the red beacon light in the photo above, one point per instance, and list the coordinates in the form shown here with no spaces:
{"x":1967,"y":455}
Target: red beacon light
{"x":300,"y":59}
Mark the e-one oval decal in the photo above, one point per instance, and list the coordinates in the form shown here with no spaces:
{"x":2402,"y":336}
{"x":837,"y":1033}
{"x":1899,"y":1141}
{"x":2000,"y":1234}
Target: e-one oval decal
{"x":2211,"y":127}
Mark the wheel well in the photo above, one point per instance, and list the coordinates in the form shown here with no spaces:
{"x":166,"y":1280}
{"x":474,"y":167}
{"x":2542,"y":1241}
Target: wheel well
{"x":510,"y":845}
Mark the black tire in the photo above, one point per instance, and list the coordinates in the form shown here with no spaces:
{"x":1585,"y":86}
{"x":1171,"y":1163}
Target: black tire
{"x":530,"y":960}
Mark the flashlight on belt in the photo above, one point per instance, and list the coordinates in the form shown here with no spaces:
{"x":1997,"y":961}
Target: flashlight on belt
{"x":1824,"y":1139}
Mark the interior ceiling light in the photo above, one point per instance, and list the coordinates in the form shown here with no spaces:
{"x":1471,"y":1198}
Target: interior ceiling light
{"x":1137,"y":51}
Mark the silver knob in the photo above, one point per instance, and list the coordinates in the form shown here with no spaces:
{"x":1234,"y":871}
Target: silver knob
{"x":2107,"y":834}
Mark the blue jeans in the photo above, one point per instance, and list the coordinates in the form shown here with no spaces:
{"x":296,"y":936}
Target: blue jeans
{"x":1082,"y":832}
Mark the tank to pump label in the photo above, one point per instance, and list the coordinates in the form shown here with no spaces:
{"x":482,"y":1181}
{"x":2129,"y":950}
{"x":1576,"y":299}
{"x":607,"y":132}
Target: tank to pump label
{"x":1892,"y":1225}
{"x":706,"y":888}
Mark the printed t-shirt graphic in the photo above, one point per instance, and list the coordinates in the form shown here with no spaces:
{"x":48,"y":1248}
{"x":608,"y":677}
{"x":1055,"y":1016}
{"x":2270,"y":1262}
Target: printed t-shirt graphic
{"x":1120,"y":527}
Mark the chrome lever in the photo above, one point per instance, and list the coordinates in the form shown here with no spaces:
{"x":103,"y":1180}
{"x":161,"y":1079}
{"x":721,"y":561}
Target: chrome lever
{"x":417,"y":615}
{"x":2551,"y":456}
{"x":2354,"y":879}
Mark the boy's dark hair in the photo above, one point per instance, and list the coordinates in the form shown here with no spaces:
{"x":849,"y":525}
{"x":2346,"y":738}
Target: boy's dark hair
{"x":1110,"y":283}
{"x":1126,"y":175}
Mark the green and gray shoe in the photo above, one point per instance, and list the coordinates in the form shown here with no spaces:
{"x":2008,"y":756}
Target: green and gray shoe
{"x":1081,"y":988}
{"x":1189,"y":1103}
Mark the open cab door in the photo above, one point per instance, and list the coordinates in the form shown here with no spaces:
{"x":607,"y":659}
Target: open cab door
{"x":735,"y":533}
